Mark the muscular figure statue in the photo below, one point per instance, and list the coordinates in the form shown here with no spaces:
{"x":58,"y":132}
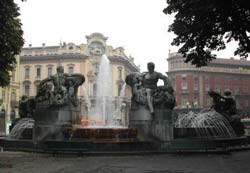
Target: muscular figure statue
{"x":59,"y":82}
{"x":149,"y":81}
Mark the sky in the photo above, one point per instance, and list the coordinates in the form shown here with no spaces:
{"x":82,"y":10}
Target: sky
{"x":139,"y":26}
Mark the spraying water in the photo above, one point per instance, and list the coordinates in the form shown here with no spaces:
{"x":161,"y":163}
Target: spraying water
{"x":19,"y":128}
{"x":118,"y":115}
{"x":103,"y":109}
{"x":86,"y":97}
{"x":209,"y":124}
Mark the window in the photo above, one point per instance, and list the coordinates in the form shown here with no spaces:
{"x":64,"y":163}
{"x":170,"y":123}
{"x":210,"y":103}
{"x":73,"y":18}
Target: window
{"x":208,"y":100}
{"x":26,"y":89}
{"x":94,"y":89}
{"x":245,"y":88}
{"x":27,"y":73}
{"x":95,"y":68}
{"x":195,"y":102}
{"x":196,"y":84}
{"x":71,"y":70}
{"x":12,"y":115}
{"x":49,"y":71}
{"x":246,"y":103}
{"x":184,"y":101}
{"x":236,"y":89}
{"x":227,"y":88}
{"x":120,"y":72}
{"x":217,"y":88}
{"x":173,"y":82}
{"x":13,"y":102}
{"x":184,"y":85}
{"x":120,"y":90}
{"x":38,"y":72}
{"x":13,"y":96}
{"x":36,"y":86}
{"x":207,"y":87}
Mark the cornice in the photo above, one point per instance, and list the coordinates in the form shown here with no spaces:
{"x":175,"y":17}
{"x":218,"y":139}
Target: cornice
{"x":211,"y":71}
{"x":133,"y":67}
{"x":52,"y":57}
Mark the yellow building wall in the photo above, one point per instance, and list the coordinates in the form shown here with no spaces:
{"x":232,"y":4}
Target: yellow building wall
{"x":10,"y":95}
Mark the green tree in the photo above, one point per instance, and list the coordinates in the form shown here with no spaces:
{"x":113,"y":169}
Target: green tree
{"x":202,"y":26}
{"x":11,"y":40}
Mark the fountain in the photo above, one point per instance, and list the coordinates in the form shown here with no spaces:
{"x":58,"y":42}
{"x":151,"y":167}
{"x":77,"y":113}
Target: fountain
{"x":103,"y":109}
{"x":203,"y":125}
{"x":51,"y":122}
{"x":103,"y":122}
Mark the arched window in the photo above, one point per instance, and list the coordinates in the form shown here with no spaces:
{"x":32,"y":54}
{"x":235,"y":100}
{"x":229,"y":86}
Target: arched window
{"x":119,"y":73}
{"x":26,"y":88}
{"x":13,"y":96}
{"x":27,"y":72}
{"x":36,"y":85}
{"x":94,"y":89}
{"x":119,"y":89}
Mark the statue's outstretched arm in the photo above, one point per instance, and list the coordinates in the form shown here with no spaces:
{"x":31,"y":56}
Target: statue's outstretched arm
{"x":45,"y":81}
{"x":77,"y":77}
{"x":165,"y":79}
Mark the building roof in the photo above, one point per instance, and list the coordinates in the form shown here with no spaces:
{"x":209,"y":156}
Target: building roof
{"x":237,"y":62}
{"x":219,"y":61}
{"x":95,"y":41}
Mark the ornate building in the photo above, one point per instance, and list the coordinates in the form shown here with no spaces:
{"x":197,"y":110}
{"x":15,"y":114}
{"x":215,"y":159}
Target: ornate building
{"x":38,"y":63}
{"x":9,"y":97}
{"x":192,"y":84}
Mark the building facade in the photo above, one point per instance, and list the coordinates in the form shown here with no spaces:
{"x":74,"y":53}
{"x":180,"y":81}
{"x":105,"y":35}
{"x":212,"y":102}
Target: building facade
{"x":192,"y":84}
{"x":37,"y":63}
{"x":9,"y":97}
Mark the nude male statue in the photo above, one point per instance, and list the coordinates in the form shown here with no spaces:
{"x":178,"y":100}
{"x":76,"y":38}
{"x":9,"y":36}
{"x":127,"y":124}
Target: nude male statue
{"x":149,"y":81}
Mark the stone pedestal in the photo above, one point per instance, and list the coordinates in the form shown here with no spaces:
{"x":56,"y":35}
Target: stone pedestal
{"x":159,"y":127}
{"x":162,"y":125}
{"x":50,"y":121}
{"x":141,"y":120}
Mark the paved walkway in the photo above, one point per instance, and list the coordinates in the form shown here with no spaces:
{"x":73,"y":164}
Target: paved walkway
{"x":236,"y":162}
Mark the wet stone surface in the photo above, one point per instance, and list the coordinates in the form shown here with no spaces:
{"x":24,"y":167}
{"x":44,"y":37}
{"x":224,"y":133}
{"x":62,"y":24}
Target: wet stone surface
{"x":12,"y":162}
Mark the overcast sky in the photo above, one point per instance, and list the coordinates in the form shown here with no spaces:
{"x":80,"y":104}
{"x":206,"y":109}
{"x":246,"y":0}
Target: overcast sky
{"x":139,"y":26}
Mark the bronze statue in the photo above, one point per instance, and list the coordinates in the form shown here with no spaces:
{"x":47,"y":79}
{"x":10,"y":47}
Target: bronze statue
{"x":26,"y":107}
{"x":146,"y":92}
{"x":65,"y":88}
{"x":149,"y":81}
{"x":226,"y":106}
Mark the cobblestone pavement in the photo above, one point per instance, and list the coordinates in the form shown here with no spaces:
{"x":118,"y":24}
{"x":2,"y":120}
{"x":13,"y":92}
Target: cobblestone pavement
{"x":236,"y":162}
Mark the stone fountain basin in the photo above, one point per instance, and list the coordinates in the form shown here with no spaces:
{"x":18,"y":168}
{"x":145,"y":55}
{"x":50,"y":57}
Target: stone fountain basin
{"x":129,"y":147}
{"x":208,"y":132}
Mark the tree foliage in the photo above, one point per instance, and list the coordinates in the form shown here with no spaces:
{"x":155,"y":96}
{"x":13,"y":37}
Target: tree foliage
{"x":202,"y":26}
{"x":11,"y":40}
